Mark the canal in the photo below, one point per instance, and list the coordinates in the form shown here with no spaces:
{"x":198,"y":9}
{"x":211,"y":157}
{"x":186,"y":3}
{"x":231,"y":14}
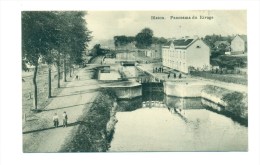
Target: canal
{"x":156,"y":122}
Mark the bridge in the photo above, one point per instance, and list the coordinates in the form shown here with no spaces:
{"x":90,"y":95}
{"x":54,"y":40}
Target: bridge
{"x":151,"y":78}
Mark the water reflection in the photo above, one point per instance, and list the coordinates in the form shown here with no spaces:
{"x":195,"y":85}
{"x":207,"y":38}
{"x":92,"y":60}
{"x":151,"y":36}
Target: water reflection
{"x":159,"y":99}
{"x":156,"y":122}
{"x":183,"y":103}
{"x":129,"y":105}
{"x":161,"y":129}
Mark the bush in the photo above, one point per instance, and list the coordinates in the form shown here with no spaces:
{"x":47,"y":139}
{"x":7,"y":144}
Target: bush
{"x":236,"y":103}
{"x":90,"y":135}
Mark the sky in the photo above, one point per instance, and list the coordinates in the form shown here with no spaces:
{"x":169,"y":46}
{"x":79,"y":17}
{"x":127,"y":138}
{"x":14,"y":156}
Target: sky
{"x":107,"y":24}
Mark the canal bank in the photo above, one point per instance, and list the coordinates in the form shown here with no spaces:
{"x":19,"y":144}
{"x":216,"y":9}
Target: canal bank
{"x":219,"y":99}
{"x":226,"y":98}
{"x":180,"y":124}
{"x":218,"y":96}
{"x":95,"y":127}
{"x":230,"y":103}
{"x":101,"y":126}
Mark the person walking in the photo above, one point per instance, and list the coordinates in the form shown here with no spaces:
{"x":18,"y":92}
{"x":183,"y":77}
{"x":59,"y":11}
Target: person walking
{"x":55,"y":120}
{"x":65,"y":119}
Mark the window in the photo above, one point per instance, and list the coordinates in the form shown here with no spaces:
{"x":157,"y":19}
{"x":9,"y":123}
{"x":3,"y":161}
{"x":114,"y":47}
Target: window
{"x":197,"y":46}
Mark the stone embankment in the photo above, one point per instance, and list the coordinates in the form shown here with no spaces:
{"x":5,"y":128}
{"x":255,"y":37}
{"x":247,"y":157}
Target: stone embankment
{"x":217,"y":98}
{"x":227,"y":101}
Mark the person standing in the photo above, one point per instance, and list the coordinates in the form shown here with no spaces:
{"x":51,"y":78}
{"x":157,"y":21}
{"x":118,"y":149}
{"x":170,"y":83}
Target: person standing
{"x":55,"y":120}
{"x":65,"y":119}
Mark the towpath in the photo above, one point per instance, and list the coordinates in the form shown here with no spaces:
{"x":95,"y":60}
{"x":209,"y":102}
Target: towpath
{"x":75,"y":95}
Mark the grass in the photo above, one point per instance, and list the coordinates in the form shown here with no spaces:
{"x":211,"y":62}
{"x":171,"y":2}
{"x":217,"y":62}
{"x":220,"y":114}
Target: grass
{"x":236,"y":102}
{"x":42,"y":86}
{"x":229,"y":78}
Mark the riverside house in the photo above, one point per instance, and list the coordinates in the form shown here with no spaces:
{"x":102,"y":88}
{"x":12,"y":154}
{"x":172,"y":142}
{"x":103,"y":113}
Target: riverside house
{"x":125,"y":56}
{"x":180,"y":54}
{"x":239,"y":44}
{"x":155,"y":51}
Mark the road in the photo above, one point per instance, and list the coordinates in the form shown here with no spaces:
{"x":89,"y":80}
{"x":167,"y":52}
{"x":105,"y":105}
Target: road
{"x":72,"y":99}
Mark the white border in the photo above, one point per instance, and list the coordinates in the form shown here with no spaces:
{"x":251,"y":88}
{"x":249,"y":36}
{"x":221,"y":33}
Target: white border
{"x":11,"y":137}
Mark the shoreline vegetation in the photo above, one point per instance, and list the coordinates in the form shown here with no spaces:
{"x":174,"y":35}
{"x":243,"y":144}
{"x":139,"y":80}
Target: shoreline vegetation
{"x":95,"y":130}
{"x":97,"y":124}
{"x":229,"y":103}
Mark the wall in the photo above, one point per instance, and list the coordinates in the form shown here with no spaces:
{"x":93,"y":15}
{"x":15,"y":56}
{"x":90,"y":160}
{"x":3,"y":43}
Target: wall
{"x":212,"y":96}
{"x":198,"y":57}
{"x":183,"y":103}
{"x":128,"y":92}
{"x":113,"y":75}
{"x":237,"y":45}
{"x":182,"y":89}
{"x":181,"y":59}
{"x":125,"y":56}
{"x":216,"y":98}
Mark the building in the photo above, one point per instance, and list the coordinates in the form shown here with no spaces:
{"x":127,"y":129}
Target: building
{"x":125,"y":55}
{"x":181,"y":54}
{"x":157,"y":51}
{"x":239,"y":44}
{"x":127,"y":47}
{"x":146,"y":53}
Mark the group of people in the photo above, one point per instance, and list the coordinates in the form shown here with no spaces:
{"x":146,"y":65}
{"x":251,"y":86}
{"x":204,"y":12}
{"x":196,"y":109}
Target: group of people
{"x":174,"y":75}
{"x":158,"y":70}
{"x":64,"y":119}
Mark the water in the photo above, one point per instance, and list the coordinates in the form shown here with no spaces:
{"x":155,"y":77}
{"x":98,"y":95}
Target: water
{"x":158,"y":129}
{"x":156,"y":122}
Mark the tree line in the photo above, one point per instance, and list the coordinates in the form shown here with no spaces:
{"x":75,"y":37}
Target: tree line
{"x":56,"y":38}
{"x":142,"y":40}
{"x":210,"y":40}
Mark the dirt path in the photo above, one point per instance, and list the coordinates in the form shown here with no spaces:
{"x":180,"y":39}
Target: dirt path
{"x":72,"y":99}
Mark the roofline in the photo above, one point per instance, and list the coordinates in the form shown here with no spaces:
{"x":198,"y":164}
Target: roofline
{"x":186,"y":47}
{"x":240,"y":36}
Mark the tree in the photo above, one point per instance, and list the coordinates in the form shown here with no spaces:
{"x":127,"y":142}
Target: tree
{"x":49,"y":58}
{"x":160,"y":40}
{"x":74,"y":36}
{"x":35,"y":41}
{"x":97,"y":51}
{"x":123,"y":40}
{"x":144,"y":39}
{"x":211,"y":39}
{"x":52,"y":37}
